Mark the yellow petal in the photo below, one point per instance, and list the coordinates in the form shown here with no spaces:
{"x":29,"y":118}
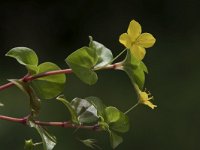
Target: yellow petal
{"x":125,"y":40}
{"x":134,"y":30}
{"x":145,"y":40}
{"x":151,"y":105}
{"x":138,"y":51}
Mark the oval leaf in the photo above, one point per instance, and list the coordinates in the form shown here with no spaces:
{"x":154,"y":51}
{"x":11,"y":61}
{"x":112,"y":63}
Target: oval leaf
{"x":121,"y":125}
{"x":82,"y":62}
{"x":24,"y":55}
{"x":50,"y":86}
{"x":112,"y":114}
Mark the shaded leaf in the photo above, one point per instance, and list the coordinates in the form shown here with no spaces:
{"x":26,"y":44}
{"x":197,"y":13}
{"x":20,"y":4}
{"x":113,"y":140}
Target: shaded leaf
{"x":86,"y":112}
{"x":49,"y":141}
{"x":34,"y":100}
{"x":71,"y":109}
{"x":103,"y":53}
{"x":115,"y":139}
{"x":98,"y":104}
{"x":121,"y":125}
{"x":135,"y":69}
{"x":90,"y":143}
{"x":50,"y":86}
{"x":82,"y":62}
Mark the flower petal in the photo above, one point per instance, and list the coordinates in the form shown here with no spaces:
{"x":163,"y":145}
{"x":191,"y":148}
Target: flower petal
{"x":138,"y":51}
{"x":134,"y":30}
{"x":145,"y":40}
{"x":150,"y":104}
{"x":125,"y":40}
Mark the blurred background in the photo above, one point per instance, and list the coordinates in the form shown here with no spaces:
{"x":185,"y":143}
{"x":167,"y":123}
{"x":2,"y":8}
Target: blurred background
{"x":57,"y":28}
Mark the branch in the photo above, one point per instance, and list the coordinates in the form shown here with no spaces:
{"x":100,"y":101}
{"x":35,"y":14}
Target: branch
{"x":65,"y":124}
{"x":64,"y":71}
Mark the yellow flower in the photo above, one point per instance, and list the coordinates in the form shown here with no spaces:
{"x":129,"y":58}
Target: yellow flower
{"x":135,"y":41}
{"x":144,"y":99}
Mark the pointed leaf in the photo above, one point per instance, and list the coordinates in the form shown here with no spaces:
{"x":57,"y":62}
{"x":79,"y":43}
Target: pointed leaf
{"x":82,"y":62}
{"x":72,"y":111}
{"x":86,"y":112}
{"x":98,"y":104}
{"x":104,"y":54}
{"x":49,"y":141}
{"x":115,"y":139}
{"x":50,"y":86}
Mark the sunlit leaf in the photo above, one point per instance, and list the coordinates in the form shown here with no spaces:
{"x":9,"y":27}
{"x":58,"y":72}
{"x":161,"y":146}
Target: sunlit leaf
{"x":112,"y":114}
{"x":24,"y":56}
{"x":82,"y":62}
{"x":50,"y":86}
{"x":1,"y":105}
{"x":103,"y":53}
{"x":74,"y":116}
{"x":87,"y":113}
{"x":29,"y":145}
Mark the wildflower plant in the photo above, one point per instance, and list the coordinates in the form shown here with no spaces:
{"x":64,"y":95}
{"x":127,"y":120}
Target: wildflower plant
{"x":46,"y":81}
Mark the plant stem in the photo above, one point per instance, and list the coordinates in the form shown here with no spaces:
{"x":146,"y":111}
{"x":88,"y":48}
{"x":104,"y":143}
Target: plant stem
{"x":29,"y":78}
{"x":130,"y":109}
{"x":119,"y":55}
{"x":65,"y":124}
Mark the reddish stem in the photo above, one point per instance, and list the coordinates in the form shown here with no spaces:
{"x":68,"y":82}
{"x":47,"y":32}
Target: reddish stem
{"x":29,"y":78}
{"x":65,"y":124}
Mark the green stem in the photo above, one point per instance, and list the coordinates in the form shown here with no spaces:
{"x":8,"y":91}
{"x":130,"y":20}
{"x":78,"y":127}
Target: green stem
{"x":130,"y":109}
{"x":118,"y":55}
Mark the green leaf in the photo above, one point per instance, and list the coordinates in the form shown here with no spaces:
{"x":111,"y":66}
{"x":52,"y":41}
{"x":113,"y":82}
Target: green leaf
{"x":115,"y":139}
{"x":82,"y":62}
{"x":50,"y":86}
{"x":104,"y":55}
{"x":29,"y":145}
{"x":49,"y":141}
{"x":98,"y":104}
{"x":1,"y":105}
{"x":112,"y":114}
{"x":135,"y":69}
{"x":24,"y":56}
{"x":72,"y":111}
{"x":122,"y":125}
{"x":144,"y":67}
{"x":87,"y":113}
{"x":90,"y":143}
{"x":27,"y":89}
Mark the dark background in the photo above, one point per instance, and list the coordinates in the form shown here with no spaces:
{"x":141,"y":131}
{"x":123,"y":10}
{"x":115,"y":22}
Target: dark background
{"x":57,"y":28}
